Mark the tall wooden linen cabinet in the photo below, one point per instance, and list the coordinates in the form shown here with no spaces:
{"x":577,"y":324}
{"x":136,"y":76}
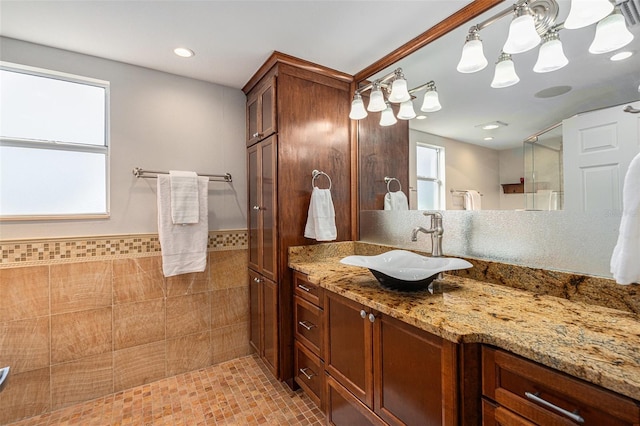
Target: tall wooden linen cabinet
{"x":297,"y":122}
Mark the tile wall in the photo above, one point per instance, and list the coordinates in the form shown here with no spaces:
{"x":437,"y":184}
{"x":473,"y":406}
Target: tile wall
{"x":80,"y":319}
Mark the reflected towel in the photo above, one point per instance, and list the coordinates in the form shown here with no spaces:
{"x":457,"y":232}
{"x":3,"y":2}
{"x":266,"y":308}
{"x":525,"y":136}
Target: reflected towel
{"x":472,"y":200}
{"x":321,"y":219}
{"x":625,"y":260}
{"x":396,"y":201}
{"x":184,"y":197}
{"x":183,"y":246}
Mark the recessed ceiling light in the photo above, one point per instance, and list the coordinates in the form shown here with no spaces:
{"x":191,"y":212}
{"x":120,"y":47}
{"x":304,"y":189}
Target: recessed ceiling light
{"x":621,"y":55}
{"x":183,"y":52}
{"x":421,"y":117}
{"x":488,"y":138}
{"x":492,"y":125}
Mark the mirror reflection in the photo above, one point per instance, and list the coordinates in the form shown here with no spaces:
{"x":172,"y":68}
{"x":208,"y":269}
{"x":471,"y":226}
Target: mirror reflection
{"x":549,"y":141}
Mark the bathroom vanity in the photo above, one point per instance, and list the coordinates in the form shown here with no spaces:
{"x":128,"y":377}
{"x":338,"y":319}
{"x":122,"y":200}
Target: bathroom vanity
{"x":471,"y":353}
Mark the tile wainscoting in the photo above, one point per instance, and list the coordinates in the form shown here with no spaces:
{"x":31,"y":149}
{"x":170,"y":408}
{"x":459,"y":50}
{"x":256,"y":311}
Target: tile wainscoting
{"x":83,"y":318}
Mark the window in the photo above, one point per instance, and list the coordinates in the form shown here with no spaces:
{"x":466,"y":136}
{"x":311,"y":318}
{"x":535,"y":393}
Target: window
{"x":430,"y":176}
{"x":54,"y":151}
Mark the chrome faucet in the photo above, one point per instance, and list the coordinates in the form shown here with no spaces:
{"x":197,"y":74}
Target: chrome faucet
{"x":436,"y":232}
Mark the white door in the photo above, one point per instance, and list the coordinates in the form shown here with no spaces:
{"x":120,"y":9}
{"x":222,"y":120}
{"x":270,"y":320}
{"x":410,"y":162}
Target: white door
{"x":598,"y":147}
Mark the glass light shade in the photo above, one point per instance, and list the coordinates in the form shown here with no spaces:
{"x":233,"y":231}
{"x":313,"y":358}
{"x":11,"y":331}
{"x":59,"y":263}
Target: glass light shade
{"x":505,"y":74}
{"x":550,"y":57}
{"x":358,"y":111}
{"x":399,"y":92}
{"x":611,"y":34}
{"x":587,"y":12}
{"x":472,"y":59}
{"x":387,"y":118}
{"x":522,"y":35}
{"x":376,"y":101}
{"x":431,"y":102}
{"x":406,"y":110}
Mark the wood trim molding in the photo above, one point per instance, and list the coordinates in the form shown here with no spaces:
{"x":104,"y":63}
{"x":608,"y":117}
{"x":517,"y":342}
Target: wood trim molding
{"x":282,"y":58}
{"x":462,"y":16}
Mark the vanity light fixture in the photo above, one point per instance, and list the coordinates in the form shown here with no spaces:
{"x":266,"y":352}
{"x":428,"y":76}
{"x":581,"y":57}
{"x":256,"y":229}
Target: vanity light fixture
{"x":387,"y":118}
{"x":472,"y":59}
{"x":399,"y":92}
{"x":376,"y":100}
{"x":406,"y":110}
{"x":611,"y":34}
{"x":358,"y":111}
{"x":183,"y":52}
{"x":396,"y":91}
{"x":523,"y":35}
{"x":431,"y":101}
{"x":586,"y":12}
{"x":505,"y":73}
{"x":551,"y":57}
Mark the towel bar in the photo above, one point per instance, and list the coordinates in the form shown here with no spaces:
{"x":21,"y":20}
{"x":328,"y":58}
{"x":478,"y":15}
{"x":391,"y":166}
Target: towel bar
{"x":141,"y":173}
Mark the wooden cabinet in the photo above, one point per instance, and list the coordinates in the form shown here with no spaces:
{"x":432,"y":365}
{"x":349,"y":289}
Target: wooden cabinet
{"x":262,"y":207}
{"x":517,"y":391}
{"x":297,"y":121}
{"x":309,"y":338}
{"x":402,"y":375}
{"x":261,"y":111}
{"x":263,"y":298}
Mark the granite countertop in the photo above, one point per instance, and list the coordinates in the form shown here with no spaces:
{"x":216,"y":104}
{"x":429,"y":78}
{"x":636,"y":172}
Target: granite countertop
{"x":598,"y":344}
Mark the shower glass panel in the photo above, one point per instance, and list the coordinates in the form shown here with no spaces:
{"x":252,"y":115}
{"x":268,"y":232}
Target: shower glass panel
{"x":543,"y":177}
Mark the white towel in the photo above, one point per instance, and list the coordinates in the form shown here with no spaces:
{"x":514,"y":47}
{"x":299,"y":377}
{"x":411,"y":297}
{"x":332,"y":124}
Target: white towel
{"x":184,"y":197}
{"x":184,"y":247}
{"x":625,"y":260}
{"x":321,"y":219}
{"x":396,"y":201}
{"x":472,"y":200}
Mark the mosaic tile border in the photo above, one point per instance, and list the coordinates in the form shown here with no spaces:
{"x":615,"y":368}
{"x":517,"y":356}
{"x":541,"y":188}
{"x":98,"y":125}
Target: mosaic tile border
{"x":54,"y":250}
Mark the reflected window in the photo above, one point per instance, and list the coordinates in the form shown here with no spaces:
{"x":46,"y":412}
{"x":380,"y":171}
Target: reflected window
{"x":53,"y":144}
{"x":430,"y":176}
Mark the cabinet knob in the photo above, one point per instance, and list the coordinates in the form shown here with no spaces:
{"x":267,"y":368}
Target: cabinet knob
{"x":257,"y":280}
{"x":372,"y":318}
{"x":363,"y":314}
{"x":256,"y":207}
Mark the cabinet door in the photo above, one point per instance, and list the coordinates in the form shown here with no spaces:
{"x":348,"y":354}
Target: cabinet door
{"x":261,"y":207}
{"x":268,"y":204}
{"x":270,"y":321}
{"x":253,"y":206}
{"x":261,"y":112}
{"x":255,"y":312}
{"x":348,"y":346}
{"x":410,"y":375}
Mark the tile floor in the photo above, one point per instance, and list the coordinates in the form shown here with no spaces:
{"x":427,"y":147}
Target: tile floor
{"x":238,"y":392}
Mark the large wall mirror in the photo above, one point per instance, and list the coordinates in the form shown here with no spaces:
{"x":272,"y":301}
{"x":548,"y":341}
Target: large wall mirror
{"x":544,"y":143}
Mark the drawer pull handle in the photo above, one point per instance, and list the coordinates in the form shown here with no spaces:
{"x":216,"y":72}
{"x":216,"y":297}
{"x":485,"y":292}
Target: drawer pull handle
{"x":307,"y":375}
{"x":307,"y":289}
{"x":306,"y":324}
{"x":573,"y":416}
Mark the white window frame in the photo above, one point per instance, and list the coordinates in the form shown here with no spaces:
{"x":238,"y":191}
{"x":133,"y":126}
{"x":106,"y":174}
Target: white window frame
{"x":439,"y":178}
{"x":64,"y":146}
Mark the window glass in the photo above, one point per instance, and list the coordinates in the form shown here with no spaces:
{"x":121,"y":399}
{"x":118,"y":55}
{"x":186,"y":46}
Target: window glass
{"x":430,"y":177}
{"x":53,"y":144}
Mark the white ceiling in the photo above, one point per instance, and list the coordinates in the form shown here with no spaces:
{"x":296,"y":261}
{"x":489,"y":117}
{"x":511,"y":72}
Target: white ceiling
{"x":231,"y":39}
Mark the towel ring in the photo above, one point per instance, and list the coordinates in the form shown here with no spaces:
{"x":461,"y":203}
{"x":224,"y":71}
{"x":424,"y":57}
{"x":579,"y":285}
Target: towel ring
{"x":317,"y":173}
{"x":388,"y":180}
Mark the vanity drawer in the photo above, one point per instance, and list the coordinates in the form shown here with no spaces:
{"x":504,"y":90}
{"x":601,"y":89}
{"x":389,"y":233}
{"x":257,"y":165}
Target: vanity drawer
{"x":308,"y":323}
{"x":307,"y":290}
{"x":549,"y":397}
{"x":309,"y":373}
